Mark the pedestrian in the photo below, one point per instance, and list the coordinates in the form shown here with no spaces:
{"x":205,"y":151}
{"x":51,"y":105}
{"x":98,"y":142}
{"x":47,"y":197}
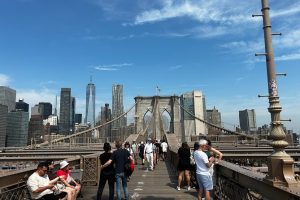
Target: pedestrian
{"x":134,"y":148}
{"x":120,"y":158}
{"x":141,"y":152}
{"x":212,"y":152}
{"x":164,"y":147}
{"x":184,"y":165}
{"x":148,"y":152}
{"x":203,"y":164}
{"x":107,"y":174}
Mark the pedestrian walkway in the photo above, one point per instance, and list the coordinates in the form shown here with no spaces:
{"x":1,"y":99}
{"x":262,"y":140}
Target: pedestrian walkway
{"x":159,"y":184}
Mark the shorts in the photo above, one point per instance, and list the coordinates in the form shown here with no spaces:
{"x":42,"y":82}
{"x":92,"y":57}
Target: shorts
{"x":205,"y":182}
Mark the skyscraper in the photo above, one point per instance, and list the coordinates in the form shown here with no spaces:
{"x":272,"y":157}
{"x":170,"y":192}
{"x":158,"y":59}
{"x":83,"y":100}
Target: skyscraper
{"x":8,"y":97}
{"x":21,"y":105}
{"x":17,"y":128}
{"x":214,"y":117}
{"x":247,"y":120}
{"x":45,"y":109}
{"x":3,"y":124}
{"x":65,"y":115}
{"x":194,"y":103}
{"x":78,"y":118}
{"x":105,"y":117}
{"x":117,"y":106}
{"x":90,"y":104}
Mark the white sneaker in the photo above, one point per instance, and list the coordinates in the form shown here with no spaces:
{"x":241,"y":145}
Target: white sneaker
{"x":188,"y":188}
{"x":178,"y":188}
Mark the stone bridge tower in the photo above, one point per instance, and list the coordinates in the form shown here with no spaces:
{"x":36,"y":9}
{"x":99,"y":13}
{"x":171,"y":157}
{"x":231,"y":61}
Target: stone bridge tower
{"x":156,"y":105}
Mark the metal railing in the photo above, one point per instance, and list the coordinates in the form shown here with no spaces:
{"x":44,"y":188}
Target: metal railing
{"x":239,"y":183}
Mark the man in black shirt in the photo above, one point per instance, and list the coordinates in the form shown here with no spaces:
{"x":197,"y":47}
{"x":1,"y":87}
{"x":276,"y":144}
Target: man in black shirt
{"x":119,"y":157}
{"x":107,"y":174}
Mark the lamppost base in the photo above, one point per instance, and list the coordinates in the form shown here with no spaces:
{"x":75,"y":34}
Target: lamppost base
{"x":281,"y":170}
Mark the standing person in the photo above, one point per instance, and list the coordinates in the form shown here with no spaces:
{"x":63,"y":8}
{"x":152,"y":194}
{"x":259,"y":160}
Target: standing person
{"x":120,"y":157}
{"x":164,"y":147}
{"x":141,"y":152}
{"x":157,"y":147}
{"x":134,"y":147}
{"x":203,"y":164}
{"x":128,"y":148}
{"x":40,"y":186}
{"x":184,"y":165}
{"x":148,"y":152}
{"x":107,"y":174}
{"x":212,"y":152}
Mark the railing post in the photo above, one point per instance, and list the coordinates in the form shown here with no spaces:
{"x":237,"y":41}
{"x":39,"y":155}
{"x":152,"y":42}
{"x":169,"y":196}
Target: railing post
{"x":280,"y":164}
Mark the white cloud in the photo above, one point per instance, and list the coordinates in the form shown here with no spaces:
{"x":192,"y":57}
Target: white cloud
{"x":290,"y":10}
{"x":112,"y":67}
{"x":201,"y":11}
{"x":4,"y":80}
{"x":288,"y":40}
{"x":175,"y":67}
{"x":106,"y":69}
{"x":48,"y":82}
{"x":33,"y":97}
{"x":286,"y":57}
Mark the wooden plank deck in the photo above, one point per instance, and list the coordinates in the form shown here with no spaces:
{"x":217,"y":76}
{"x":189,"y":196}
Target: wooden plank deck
{"x":159,"y":184}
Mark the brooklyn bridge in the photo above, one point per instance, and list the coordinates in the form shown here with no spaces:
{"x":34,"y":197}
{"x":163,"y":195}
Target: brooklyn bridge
{"x":253,"y":166}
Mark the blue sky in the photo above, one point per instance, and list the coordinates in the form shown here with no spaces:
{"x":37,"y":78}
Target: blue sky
{"x":177,"y":45}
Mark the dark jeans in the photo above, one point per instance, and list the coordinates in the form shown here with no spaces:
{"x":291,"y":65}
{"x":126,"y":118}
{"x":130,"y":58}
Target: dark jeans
{"x":111,"y":183}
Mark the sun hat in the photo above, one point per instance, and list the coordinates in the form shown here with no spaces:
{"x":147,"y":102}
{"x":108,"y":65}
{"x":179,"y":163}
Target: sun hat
{"x":63,"y":164}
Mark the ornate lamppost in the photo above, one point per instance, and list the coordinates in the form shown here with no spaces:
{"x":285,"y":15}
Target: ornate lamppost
{"x":280,"y":164}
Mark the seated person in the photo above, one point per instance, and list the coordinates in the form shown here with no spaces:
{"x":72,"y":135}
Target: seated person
{"x":71,"y":193}
{"x":40,"y":187}
{"x":67,"y":179}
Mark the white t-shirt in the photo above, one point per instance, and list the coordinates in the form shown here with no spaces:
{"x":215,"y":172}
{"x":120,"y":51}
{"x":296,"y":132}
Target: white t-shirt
{"x":201,"y":160}
{"x":148,"y":148}
{"x":164,"y":146}
{"x":35,"y":181}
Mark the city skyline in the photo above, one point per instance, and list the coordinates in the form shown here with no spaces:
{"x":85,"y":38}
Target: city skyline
{"x":179,"y":46}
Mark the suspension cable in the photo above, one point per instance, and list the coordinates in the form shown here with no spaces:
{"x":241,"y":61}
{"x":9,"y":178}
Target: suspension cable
{"x":86,"y":131}
{"x":215,"y":126}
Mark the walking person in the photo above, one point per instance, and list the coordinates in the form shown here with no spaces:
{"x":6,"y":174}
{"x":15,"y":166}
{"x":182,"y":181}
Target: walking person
{"x":148,"y":152}
{"x":203,"y":164}
{"x":164,"y":147}
{"x":107,"y":174}
{"x":134,"y":148}
{"x":184,"y":165}
{"x":120,"y":157}
{"x":141,"y":152}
